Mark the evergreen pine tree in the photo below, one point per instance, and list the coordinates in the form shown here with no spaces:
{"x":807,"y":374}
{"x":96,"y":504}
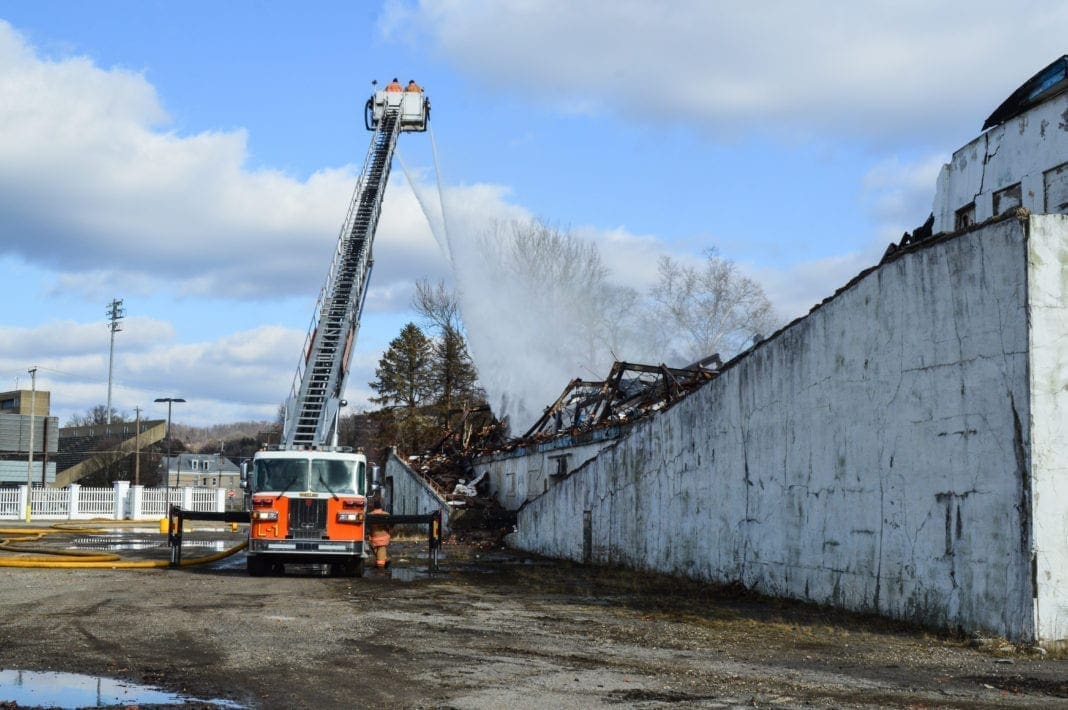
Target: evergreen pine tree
{"x":403,"y":381}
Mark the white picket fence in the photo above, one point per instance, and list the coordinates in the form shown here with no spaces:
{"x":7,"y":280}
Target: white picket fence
{"x":121,"y":502}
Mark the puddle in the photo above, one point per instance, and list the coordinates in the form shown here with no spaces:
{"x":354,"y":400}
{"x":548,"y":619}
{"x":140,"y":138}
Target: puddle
{"x":115,"y":543}
{"x":404,"y":574}
{"x":71,"y":690}
{"x":118,"y":543}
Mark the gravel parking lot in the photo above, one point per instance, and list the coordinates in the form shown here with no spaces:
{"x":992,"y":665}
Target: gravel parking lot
{"x":493,"y":629}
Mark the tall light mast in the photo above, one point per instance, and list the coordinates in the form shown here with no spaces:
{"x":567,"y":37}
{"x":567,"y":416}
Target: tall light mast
{"x":115,"y":315}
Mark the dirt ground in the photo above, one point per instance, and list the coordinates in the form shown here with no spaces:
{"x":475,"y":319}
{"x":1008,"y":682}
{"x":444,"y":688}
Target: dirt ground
{"x":493,"y":629}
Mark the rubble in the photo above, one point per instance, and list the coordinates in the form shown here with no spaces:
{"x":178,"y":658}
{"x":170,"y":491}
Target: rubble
{"x":630,"y":391}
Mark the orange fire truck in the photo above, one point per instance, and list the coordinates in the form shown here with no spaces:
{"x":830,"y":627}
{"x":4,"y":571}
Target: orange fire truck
{"x":308,"y":497}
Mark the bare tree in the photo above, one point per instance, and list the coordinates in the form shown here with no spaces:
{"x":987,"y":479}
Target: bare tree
{"x":96,"y":416}
{"x":707,"y":309}
{"x":437,"y":303}
{"x":561,"y":284}
{"x":542,"y":309}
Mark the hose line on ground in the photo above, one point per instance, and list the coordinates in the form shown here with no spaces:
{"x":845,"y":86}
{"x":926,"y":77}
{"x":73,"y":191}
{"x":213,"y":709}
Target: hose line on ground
{"x":48,"y":558}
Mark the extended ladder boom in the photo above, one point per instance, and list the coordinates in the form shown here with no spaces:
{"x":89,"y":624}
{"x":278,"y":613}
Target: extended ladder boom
{"x":315,"y":399}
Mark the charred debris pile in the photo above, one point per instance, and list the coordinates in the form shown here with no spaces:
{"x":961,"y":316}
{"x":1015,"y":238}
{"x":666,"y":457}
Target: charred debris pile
{"x":630,"y":392}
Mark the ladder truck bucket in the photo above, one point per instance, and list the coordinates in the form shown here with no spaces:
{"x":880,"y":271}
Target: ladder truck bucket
{"x":413,"y":106}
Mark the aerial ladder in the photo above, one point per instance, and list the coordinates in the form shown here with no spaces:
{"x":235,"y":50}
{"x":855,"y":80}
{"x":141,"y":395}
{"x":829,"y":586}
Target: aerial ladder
{"x":315,"y":399}
{"x":309,"y":497}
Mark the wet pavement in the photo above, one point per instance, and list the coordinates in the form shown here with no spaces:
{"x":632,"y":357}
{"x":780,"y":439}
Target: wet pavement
{"x":492,"y":628}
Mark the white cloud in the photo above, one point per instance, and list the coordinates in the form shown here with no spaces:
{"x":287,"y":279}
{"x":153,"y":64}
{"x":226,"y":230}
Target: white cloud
{"x":899,"y":193}
{"x":91,"y":175}
{"x":795,"y":289}
{"x":61,"y":338}
{"x":878,"y":71}
{"x":243,"y":375}
{"x":94,"y":188}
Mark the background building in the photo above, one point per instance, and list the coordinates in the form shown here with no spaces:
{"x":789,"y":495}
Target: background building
{"x":15,"y":410}
{"x":212,"y":470}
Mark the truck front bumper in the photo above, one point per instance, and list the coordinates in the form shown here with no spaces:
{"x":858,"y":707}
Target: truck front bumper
{"x":306,"y":548}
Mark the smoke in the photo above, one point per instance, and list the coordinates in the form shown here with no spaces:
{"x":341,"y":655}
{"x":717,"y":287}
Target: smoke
{"x":537,"y":303}
{"x":540,"y":307}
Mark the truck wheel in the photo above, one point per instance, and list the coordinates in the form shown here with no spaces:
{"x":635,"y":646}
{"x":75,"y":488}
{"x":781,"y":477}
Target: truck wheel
{"x":256,"y":566}
{"x":351,"y":568}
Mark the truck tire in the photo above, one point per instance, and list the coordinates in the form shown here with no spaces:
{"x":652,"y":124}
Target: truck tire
{"x":256,"y":566}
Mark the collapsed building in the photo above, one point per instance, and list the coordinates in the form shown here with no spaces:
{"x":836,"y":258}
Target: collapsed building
{"x":468,"y":472}
{"x":898,"y":450}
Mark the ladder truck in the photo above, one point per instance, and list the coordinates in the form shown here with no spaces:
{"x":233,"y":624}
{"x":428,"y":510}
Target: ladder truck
{"x":309,"y":496}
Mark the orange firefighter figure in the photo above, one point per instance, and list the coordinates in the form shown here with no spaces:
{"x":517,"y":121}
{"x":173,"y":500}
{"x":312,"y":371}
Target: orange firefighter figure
{"x":412,"y":86}
{"x":394,"y":85}
{"x":379,"y":536}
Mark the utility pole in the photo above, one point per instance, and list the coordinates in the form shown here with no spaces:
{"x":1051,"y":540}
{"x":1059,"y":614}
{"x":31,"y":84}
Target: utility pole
{"x":115,"y":314}
{"x":170,"y":401}
{"x":29,"y":463}
{"x":137,"y":448}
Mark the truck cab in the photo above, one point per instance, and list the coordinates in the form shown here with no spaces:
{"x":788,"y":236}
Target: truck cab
{"x":307,"y":507}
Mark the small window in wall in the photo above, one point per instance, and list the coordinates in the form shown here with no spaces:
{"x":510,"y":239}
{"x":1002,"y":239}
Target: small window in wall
{"x":965,"y":216}
{"x":194,"y":464}
{"x":1007,"y":199}
{"x":1055,"y":184}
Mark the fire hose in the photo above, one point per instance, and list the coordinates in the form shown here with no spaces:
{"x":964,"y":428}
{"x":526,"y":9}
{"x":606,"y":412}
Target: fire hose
{"x":21,"y":539}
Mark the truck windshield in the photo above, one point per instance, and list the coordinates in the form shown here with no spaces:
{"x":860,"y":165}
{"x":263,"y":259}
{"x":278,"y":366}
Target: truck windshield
{"x":333,"y":476}
{"x":280,"y":475}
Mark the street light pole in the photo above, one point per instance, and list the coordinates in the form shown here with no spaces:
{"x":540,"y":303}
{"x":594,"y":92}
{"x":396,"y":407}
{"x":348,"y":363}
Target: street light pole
{"x":29,"y":463}
{"x":170,"y":401}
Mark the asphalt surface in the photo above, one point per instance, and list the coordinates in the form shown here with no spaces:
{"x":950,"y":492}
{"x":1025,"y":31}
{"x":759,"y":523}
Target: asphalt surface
{"x":493,"y":629}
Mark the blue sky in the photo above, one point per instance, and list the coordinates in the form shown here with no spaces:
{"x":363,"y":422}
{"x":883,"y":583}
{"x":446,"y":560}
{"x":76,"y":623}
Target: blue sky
{"x":196,"y":158}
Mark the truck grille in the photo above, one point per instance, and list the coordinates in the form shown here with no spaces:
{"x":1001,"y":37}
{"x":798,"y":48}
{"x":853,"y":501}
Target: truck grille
{"x":307,"y":517}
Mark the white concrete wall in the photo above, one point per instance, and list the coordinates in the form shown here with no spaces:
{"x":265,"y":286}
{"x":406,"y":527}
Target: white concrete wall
{"x":1048,"y":311}
{"x":516,"y":477}
{"x":1022,"y":150}
{"x":874,"y":455}
{"x":409,"y":493}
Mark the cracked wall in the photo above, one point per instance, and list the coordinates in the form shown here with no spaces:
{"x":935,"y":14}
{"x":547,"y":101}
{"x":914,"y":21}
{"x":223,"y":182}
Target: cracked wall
{"x":1017,"y":164}
{"x":875,"y":455}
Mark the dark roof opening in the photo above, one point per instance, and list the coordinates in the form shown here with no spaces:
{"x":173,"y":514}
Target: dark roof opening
{"x":1042,"y":86}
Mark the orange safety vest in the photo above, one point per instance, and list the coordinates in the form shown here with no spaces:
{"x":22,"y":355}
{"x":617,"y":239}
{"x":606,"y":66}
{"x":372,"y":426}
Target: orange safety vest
{"x":379,"y":533}
{"x":394,"y":86}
